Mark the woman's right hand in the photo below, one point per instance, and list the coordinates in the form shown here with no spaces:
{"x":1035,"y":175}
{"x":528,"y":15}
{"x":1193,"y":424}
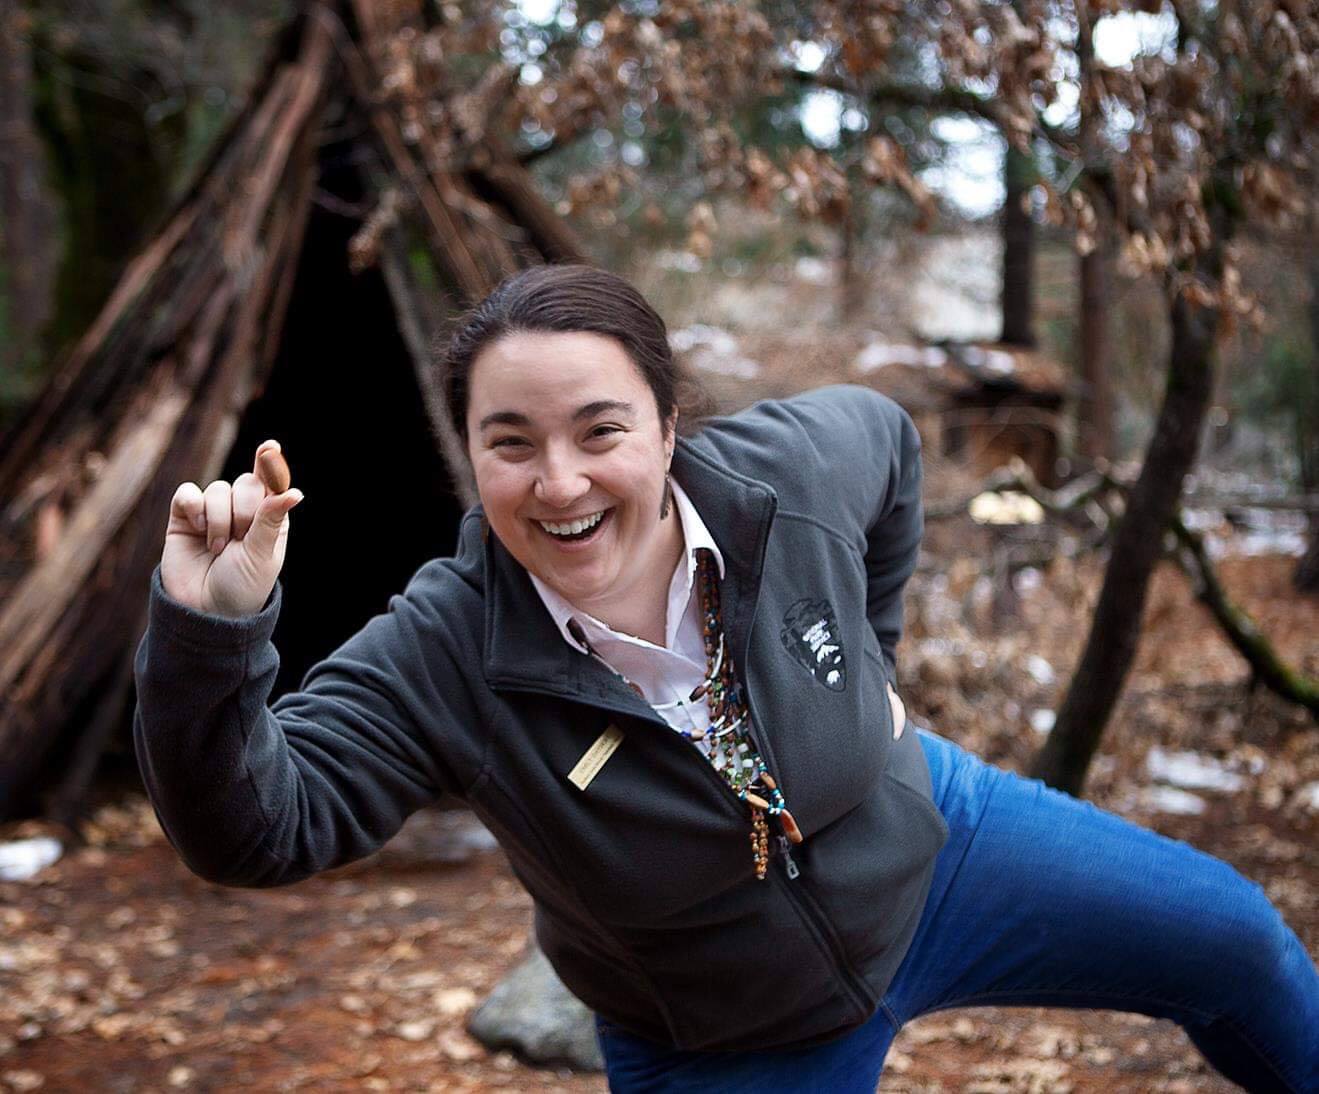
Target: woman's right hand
{"x":224,"y":547}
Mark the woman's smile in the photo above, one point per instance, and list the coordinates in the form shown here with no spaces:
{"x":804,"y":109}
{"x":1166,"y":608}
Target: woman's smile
{"x":575,"y":533}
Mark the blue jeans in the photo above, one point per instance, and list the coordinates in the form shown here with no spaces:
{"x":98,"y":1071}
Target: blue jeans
{"x":1040,"y":899}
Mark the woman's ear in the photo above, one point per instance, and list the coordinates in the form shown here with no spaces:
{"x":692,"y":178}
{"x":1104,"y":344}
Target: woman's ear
{"x":671,"y":432}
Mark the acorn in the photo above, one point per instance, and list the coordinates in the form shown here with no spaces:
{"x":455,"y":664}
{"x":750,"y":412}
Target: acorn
{"x":273,"y":470}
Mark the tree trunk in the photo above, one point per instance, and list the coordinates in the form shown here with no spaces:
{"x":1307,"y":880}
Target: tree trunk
{"x":1018,"y":300}
{"x":1095,"y":407}
{"x":25,"y":219}
{"x":1137,"y":547}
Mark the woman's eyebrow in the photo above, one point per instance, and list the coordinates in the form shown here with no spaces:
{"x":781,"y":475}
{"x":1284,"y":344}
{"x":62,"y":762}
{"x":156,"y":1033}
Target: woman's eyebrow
{"x":589,"y":410}
{"x":602,"y":406}
{"x":504,"y":417}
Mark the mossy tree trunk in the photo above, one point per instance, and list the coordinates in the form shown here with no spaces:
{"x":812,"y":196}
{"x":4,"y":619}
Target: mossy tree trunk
{"x":26,"y":223}
{"x":111,"y":167}
{"x":1137,"y":542}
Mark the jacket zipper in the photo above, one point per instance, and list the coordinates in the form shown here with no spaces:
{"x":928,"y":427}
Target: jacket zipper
{"x":801,"y":897}
{"x":789,"y":866}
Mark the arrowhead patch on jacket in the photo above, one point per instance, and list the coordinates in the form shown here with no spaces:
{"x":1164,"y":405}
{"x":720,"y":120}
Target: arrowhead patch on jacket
{"x":810,"y":634}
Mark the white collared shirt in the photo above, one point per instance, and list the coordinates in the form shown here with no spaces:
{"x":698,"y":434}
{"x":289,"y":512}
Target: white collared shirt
{"x":665,"y":674}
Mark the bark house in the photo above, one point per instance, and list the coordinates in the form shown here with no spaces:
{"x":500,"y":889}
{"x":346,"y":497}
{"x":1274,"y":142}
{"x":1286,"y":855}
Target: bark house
{"x":293,"y":293}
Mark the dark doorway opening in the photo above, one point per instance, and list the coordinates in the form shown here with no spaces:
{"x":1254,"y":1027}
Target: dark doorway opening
{"x":343,"y":401}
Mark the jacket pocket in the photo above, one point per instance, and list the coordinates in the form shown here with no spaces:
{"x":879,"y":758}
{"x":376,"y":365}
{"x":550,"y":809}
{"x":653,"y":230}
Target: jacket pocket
{"x":870,"y":870}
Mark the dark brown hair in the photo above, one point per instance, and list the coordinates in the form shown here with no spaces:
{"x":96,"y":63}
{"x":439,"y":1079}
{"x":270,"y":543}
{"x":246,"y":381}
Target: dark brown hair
{"x":567,"y":299}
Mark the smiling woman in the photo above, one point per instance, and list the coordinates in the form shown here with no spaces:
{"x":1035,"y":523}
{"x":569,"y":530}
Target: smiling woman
{"x":646,"y":646}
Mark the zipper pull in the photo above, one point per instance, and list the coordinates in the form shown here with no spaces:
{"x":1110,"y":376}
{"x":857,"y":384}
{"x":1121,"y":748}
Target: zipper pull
{"x":791,"y":866}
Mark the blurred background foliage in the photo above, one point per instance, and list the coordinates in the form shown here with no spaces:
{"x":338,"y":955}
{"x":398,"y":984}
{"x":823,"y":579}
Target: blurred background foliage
{"x":127,"y":96}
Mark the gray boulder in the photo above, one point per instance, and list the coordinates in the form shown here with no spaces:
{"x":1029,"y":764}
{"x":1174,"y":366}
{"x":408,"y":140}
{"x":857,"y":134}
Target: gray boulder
{"x":532,"y":1014}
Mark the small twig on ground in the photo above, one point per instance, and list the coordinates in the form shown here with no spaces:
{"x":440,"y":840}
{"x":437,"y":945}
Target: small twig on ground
{"x":1246,"y":638}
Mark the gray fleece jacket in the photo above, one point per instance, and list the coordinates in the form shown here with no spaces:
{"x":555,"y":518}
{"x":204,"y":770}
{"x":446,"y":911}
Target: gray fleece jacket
{"x":645,"y":898}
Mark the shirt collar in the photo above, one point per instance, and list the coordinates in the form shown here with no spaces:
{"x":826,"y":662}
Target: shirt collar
{"x":695,"y":536}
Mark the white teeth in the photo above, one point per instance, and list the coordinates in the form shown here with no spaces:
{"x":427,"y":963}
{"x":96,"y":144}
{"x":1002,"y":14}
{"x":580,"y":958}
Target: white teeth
{"x":572,"y":527}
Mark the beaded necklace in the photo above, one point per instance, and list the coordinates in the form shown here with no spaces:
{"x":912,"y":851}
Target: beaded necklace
{"x":732,"y":751}
{"x":730,"y":724}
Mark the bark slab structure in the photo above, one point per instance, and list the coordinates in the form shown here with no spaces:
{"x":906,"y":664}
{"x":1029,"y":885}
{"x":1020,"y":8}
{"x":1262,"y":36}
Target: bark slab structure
{"x":252,"y":313}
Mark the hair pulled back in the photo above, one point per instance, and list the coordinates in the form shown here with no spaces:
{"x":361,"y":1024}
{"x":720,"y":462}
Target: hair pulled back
{"x":565,"y":299}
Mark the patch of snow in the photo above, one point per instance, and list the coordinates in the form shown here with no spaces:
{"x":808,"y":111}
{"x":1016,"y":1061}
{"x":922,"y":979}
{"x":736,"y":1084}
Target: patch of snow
{"x":1308,"y":797}
{"x":1168,"y":799}
{"x":1042,"y":721}
{"x":1261,"y":531}
{"x":682,"y":261}
{"x":1027,"y":580}
{"x":702,"y":334}
{"x":713,"y":349}
{"x":1008,"y":507}
{"x":815,"y":271}
{"x":1191,"y":771}
{"x":741,"y":367}
{"x":23,"y":858}
{"x":877,"y":355}
{"x":1040,"y":669}
{"x":991,"y":360}
{"x":1255,"y":544}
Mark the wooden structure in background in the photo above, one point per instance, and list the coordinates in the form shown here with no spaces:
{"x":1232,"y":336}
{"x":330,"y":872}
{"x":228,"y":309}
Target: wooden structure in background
{"x":155,"y":392}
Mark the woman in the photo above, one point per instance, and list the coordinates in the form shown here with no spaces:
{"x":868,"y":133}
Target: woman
{"x":660,"y":671}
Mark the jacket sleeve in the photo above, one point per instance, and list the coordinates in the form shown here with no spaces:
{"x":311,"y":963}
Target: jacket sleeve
{"x":896,"y":523}
{"x":259,"y":795}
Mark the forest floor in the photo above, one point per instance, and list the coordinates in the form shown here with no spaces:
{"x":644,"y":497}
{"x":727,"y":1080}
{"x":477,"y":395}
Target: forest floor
{"x":120,"y":971}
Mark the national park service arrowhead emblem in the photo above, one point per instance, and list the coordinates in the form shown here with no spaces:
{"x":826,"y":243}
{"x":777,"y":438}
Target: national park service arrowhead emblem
{"x":810,"y":634}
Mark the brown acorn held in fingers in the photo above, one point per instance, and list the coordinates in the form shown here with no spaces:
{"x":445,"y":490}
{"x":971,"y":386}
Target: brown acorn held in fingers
{"x":273,"y":470}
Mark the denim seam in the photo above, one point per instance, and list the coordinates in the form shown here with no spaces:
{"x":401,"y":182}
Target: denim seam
{"x":890,"y":1015}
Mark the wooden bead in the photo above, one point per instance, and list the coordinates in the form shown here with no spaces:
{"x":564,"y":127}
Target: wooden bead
{"x":757,"y":801}
{"x":790,"y":828}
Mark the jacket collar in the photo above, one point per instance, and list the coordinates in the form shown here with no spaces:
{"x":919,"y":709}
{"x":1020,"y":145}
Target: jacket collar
{"x":523,"y":649}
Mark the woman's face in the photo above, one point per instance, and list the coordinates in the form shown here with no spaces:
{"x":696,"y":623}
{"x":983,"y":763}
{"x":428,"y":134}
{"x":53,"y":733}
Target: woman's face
{"x":570,"y":457}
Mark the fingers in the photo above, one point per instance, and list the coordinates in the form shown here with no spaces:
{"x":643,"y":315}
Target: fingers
{"x":263,"y":537}
{"x":224,"y":512}
{"x":218,"y":504}
{"x":248,"y":494}
{"x":186,"y":509}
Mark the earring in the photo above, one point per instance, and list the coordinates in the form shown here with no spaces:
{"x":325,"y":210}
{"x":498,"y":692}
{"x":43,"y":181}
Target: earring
{"x":668,"y":495}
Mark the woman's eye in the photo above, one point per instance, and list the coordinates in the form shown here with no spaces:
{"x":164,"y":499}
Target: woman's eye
{"x":508,"y":442}
{"x":605,"y":430}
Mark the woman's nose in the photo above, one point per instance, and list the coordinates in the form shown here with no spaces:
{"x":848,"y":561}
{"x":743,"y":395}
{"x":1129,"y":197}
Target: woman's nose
{"x":561,"y":482}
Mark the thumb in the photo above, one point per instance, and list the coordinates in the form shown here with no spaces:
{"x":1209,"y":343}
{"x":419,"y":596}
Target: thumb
{"x":263,"y":537}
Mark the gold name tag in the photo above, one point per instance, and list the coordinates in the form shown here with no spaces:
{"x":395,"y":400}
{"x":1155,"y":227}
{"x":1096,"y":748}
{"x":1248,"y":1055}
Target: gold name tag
{"x":595,"y":757}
